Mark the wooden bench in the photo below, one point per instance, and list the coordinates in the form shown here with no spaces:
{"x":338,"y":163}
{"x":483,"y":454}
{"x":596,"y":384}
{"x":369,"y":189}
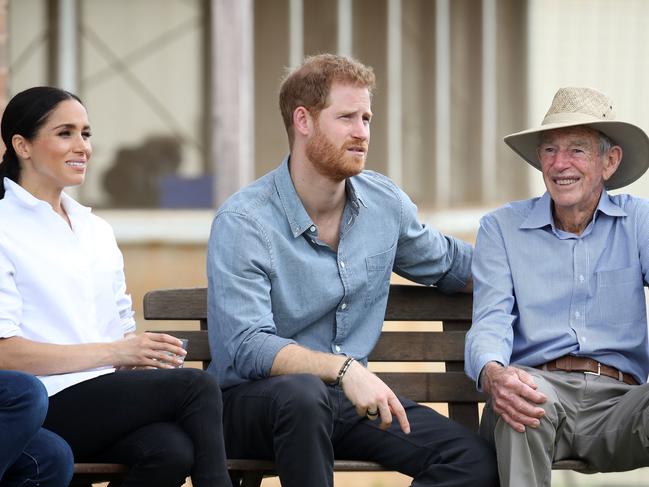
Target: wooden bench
{"x":405,"y":303}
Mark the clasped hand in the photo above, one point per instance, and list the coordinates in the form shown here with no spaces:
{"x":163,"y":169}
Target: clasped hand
{"x":369,"y":393}
{"x":513,"y":395}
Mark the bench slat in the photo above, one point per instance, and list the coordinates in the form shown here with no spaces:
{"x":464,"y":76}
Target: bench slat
{"x":433,"y":386}
{"x":268,"y":467}
{"x":100,"y":468}
{"x":113,"y":470}
{"x":198,"y":347}
{"x":176,"y":304}
{"x":393,"y":346}
{"x":421,"y":303}
{"x":339,"y":465}
{"x":576,"y":465}
{"x":424,"y":346}
{"x":405,"y":303}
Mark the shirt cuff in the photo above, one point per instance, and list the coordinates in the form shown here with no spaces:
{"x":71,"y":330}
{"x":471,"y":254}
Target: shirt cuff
{"x":9,"y":329}
{"x":128,"y":325}
{"x":480,"y":365}
{"x":270,"y":347}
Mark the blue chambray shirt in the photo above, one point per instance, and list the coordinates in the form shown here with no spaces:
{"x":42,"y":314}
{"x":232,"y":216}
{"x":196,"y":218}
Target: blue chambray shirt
{"x":272,"y":282}
{"x":541,"y":293}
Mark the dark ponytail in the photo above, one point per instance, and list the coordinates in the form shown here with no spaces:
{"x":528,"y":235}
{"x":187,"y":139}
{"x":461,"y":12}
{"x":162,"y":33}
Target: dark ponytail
{"x":9,"y":168}
{"x":25,"y":113}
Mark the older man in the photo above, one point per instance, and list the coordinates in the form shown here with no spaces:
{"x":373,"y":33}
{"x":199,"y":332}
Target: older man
{"x":559,"y":339}
{"x":299,"y":268}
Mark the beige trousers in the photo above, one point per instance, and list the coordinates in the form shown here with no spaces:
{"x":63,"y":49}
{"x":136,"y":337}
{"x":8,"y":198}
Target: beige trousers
{"x":596,"y":419}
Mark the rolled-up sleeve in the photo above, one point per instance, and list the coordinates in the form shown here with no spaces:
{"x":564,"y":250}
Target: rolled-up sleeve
{"x":122,"y":298}
{"x":427,"y":256}
{"x":242,"y":331}
{"x":491,"y":335}
{"x":11,"y":304}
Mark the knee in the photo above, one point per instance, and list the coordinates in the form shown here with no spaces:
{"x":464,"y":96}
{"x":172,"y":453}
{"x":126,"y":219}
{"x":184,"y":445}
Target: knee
{"x":301,"y":392}
{"x":203,"y":386}
{"x":303,"y":397}
{"x":27,"y":396}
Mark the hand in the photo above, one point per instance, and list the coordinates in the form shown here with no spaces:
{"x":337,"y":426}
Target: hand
{"x":513,"y":395}
{"x":148,"y":350}
{"x":369,"y":393}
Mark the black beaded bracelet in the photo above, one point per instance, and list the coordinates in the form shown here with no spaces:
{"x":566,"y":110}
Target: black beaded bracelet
{"x":343,"y":369}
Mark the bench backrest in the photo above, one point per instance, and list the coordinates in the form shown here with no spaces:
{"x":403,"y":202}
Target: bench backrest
{"x":405,"y":303}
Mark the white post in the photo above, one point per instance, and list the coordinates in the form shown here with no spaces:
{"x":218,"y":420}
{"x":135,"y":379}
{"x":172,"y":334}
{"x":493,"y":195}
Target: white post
{"x":345,"y":16}
{"x":296,"y":32}
{"x":232,"y":86}
{"x":489,"y":105}
{"x":66,"y":59}
{"x":395,"y":125}
{"x":67,"y":46}
{"x":443,"y":103}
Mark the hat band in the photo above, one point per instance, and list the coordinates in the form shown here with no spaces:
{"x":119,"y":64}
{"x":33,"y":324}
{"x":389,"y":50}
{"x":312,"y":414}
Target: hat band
{"x":570,"y":118}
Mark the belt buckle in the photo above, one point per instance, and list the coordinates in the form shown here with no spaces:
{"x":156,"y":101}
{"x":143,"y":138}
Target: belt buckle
{"x":599,"y":370}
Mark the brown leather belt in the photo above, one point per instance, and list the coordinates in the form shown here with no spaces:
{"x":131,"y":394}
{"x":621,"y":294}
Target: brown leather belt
{"x":572,"y":363}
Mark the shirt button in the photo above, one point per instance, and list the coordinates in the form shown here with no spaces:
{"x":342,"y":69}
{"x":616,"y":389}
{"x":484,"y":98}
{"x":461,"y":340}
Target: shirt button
{"x":342,"y":264}
{"x":583,"y":339}
{"x":343,"y":306}
{"x":337,"y":347}
{"x":577,"y":314}
{"x":312,"y":229}
{"x":581,"y":278}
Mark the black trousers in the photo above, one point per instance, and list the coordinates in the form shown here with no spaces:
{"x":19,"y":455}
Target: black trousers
{"x":165,"y":424}
{"x":304,"y":424}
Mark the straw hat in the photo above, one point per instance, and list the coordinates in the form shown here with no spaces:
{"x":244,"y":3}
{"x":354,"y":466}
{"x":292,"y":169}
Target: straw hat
{"x":588,"y":107}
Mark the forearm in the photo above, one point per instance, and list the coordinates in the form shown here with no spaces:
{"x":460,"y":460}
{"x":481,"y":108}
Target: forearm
{"x":17,"y":353}
{"x":294,"y":359}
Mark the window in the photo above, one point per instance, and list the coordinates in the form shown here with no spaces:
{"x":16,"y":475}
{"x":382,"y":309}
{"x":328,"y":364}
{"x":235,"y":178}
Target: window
{"x":140,"y":68}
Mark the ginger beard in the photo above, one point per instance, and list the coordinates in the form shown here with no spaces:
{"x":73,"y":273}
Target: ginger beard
{"x":332,"y":162}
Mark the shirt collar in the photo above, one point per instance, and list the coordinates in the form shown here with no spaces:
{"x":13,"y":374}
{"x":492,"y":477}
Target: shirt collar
{"x":354,"y":196}
{"x":541,"y":214}
{"x":296,"y":214}
{"x":25,"y":198}
{"x":72,"y":206}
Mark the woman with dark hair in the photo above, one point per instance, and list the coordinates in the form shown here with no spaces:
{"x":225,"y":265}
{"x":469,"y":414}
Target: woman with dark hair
{"x":65,"y":315}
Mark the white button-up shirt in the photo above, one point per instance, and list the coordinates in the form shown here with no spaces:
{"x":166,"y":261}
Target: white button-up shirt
{"x":59,"y":284}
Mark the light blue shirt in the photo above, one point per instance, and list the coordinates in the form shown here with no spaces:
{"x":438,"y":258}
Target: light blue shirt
{"x":272,"y":282}
{"x":541,"y":293}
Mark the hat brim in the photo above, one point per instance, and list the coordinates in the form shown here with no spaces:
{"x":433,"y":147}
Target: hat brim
{"x":632,"y":139}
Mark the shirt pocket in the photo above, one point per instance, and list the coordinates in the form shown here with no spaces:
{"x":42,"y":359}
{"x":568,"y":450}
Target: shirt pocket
{"x":620,"y":296}
{"x":379,"y":269}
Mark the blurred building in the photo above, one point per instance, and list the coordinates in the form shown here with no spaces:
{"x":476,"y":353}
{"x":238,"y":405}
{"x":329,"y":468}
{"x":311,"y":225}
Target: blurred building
{"x":182,"y":98}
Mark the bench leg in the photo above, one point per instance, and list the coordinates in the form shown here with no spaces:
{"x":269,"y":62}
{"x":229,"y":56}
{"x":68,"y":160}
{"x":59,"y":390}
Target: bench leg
{"x":242,"y":478}
{"x":252,"y":479}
